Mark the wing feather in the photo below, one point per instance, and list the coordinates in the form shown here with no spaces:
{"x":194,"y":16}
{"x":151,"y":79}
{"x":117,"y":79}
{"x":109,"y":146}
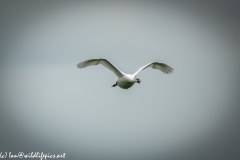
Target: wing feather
{"x":156,"y":65}
{"x":104,"y":62}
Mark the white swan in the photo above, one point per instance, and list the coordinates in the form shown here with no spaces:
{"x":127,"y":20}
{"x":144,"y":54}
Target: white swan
{"x":125,"y":81}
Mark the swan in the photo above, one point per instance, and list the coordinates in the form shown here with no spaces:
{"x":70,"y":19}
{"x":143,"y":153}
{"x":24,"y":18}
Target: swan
{"x":125,"y":81}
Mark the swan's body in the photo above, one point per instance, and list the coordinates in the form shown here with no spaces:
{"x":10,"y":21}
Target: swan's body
{"x":125,"y":81}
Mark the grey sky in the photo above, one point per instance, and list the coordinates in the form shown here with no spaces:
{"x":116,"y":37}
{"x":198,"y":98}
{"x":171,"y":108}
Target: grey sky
{"x":49,"y":105}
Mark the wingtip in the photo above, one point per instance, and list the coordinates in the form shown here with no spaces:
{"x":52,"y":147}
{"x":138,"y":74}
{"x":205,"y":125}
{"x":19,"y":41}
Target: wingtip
{"x":78,"y":66}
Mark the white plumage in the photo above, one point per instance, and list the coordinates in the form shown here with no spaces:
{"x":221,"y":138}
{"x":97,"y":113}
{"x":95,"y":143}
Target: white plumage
{"x":125,"y":81}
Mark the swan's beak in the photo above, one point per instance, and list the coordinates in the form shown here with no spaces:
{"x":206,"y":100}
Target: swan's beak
{"x":138,"y":81}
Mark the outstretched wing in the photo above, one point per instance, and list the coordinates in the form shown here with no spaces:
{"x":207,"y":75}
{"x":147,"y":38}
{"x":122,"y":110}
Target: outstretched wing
{"x":104,"y":62}
{"x":155,"y":65}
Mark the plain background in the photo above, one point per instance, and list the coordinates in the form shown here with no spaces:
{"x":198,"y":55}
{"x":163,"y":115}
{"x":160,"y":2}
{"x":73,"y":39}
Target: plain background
{"x":48,"y":105}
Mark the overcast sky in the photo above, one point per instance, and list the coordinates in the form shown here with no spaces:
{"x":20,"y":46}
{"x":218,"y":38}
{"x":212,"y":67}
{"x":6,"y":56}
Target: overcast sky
{"x":48,"y":105}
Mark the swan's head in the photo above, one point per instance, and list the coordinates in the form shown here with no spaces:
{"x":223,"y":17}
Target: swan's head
{"x":138,"y":80}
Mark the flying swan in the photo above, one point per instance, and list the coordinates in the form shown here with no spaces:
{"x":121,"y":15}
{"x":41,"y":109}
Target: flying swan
{"x":125,"y":81}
